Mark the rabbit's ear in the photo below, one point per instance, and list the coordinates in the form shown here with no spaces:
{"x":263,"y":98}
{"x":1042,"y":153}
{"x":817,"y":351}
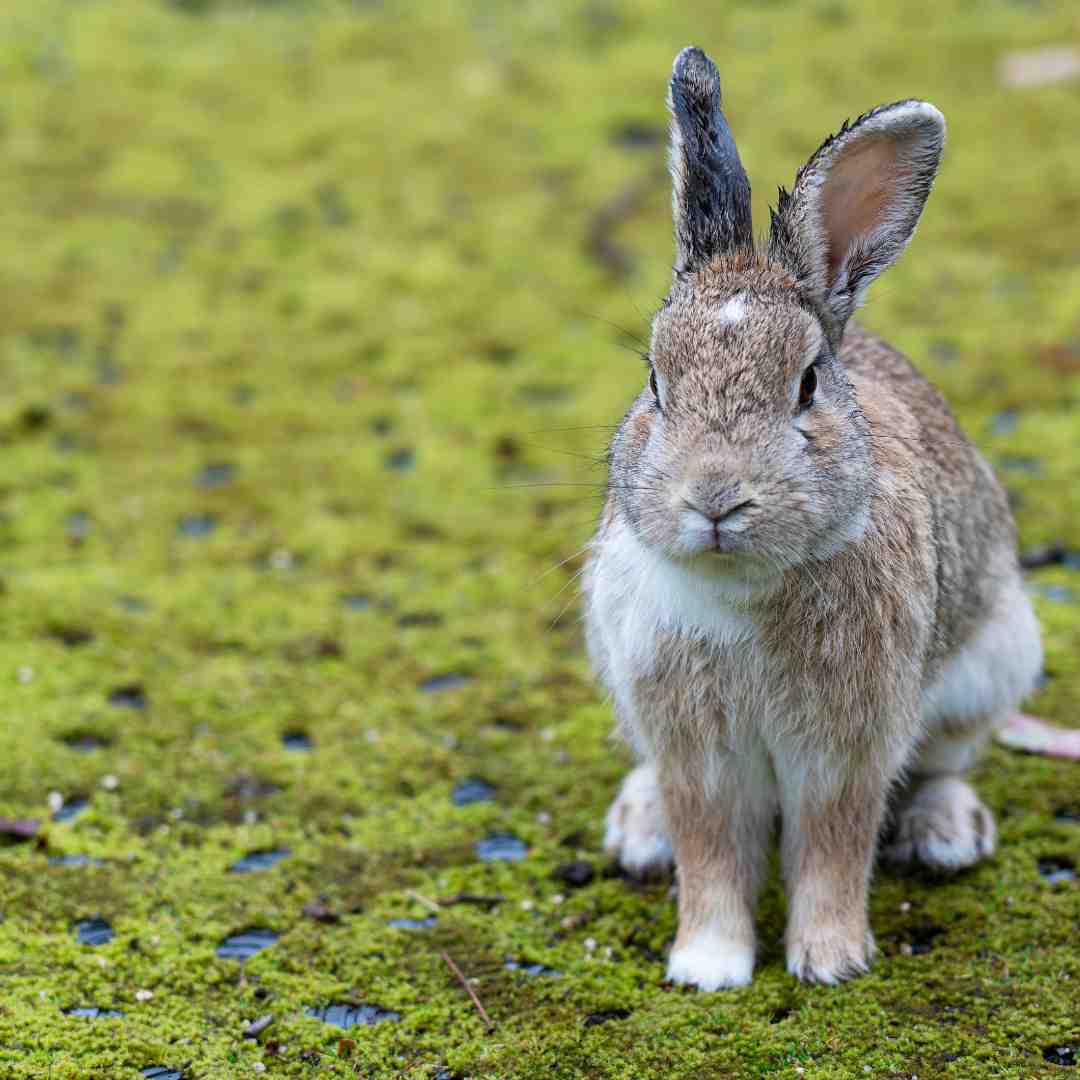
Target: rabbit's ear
{"x":710,"y":190}
{"x":856,"y":202}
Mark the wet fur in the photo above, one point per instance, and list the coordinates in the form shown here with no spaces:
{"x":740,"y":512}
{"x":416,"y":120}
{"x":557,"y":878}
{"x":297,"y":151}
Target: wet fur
{"x":862,"y":623}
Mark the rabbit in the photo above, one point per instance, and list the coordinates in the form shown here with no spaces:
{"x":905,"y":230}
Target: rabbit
{"x":803,"y":595}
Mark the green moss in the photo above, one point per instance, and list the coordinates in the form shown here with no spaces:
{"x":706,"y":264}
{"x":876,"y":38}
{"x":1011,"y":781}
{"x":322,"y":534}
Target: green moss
{"x":303,"y":238}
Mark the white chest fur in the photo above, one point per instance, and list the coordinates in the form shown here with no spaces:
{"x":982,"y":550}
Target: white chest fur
{"x":639,"y":601}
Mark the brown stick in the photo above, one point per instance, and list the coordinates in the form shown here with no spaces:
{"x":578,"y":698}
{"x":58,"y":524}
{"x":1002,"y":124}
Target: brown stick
{"x":469,"y":990}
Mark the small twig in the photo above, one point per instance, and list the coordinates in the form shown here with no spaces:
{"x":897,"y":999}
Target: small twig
{"x":424,"y":900}
{"x":257,"y":1027}
{"x":471,"y":898}
{"x":469,"y":990}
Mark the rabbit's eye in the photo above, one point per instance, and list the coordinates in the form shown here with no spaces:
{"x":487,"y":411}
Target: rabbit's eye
{"x":807,"y":387}
{"x":654,"y":388}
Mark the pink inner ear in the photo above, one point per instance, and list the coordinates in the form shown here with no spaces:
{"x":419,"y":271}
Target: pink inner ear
{"x":858,"y":193}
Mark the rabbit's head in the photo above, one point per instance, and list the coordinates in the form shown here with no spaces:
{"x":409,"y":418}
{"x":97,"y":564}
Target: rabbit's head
{"x":748,"y":443}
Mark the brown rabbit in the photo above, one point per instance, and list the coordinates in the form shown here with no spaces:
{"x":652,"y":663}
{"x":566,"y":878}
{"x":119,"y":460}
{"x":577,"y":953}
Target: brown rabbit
{"x":804,"y":593}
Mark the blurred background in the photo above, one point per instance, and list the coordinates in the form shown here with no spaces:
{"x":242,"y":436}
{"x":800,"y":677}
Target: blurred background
{"x":315,"y":321}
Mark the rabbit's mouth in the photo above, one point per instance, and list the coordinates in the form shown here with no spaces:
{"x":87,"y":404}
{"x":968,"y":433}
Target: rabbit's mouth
{"x":715,"y":533}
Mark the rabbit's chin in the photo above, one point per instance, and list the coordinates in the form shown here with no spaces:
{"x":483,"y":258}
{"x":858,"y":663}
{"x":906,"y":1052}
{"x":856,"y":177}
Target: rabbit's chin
{"x":714,"y":564}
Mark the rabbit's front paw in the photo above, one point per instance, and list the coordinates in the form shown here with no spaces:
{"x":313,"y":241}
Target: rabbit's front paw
{"x":712,"y":962}
{"x":830,"y":955}
{"x":944,"y":826}
{"x":635,"y":834}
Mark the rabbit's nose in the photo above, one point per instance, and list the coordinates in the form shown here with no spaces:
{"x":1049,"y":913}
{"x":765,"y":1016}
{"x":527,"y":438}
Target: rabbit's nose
{"x":718,"y":505}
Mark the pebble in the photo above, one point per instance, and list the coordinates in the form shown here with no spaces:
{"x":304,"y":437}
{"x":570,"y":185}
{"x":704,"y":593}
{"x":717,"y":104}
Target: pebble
{"x":472,"y":790}
{"x":247,"y":943}
{"x":75,"y":860}
{"x":501,"y":847}
{"x":93,"y":932}
{"x":349,"y":1016}
{"x":262,"y":859}
{"x":413,"y":924}
{"x":449,"y":681}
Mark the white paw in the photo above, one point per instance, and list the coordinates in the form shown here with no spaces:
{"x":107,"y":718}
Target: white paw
{"x":829,"y":955}
{"x":944,"y":826}
{"x":712,"y":962}
{"x":635,"y":834}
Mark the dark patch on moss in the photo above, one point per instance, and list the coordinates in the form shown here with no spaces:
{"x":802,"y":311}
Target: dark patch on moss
{"x":196,"y":526}
{"x":263,"y":859}
{"x":78,"y":526}
{"x":1056,"y":554}
{"x":131,"y":696}
{"x":321,"y":912}
{"x":71,"y":809}
{"x":1064,"y":1054}
{"x":605,"y":1016}
{"x":357,"y":602}
{"x":411,"y":619}
{"x":76,"y":861}
{"x":1057,"y":869}
{"x":501,"y":847}
{"x":350,"y":1016}
{"x":247,"y":943}
{"x":216,"y":474}
{"x":575,"y":875}
{"x":400,"y":460}
{"x":93,"y":932}
{"x":69,"y":635}
{"x":248,"y":787}
{"x":84,"y":742}
{"x":449,"y":681}
{"x":472,"y":790}
{"x":635,"y":135}
{"x":531,"y":968}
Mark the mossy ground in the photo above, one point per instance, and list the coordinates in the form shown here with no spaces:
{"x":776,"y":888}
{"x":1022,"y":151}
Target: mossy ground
{"x":346,"y":250}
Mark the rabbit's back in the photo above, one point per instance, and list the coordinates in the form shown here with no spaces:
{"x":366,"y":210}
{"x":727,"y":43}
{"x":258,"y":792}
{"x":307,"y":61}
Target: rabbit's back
{"x":915,"y":434}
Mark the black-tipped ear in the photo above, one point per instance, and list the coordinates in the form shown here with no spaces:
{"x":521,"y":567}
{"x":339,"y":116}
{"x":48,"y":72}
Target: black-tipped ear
{"x":856,"y":203}
{"x":710,"y":190}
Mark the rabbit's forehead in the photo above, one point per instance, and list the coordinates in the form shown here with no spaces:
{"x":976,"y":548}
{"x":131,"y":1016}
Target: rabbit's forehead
{"x":736,"y":332}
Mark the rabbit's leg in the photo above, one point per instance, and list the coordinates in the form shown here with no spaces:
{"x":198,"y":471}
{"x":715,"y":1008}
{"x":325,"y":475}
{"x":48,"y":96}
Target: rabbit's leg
{"x":940,"y":821}
{"x":831,"y":815}
{"x":719,"y":816}
{"x":635,"y":830}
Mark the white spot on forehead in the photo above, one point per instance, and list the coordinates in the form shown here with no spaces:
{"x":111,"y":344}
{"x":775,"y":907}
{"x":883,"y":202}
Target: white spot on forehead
{"x":732,"y":311}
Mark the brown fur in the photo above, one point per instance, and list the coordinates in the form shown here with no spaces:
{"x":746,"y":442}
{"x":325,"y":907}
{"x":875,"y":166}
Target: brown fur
{"x":787,"y":601}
